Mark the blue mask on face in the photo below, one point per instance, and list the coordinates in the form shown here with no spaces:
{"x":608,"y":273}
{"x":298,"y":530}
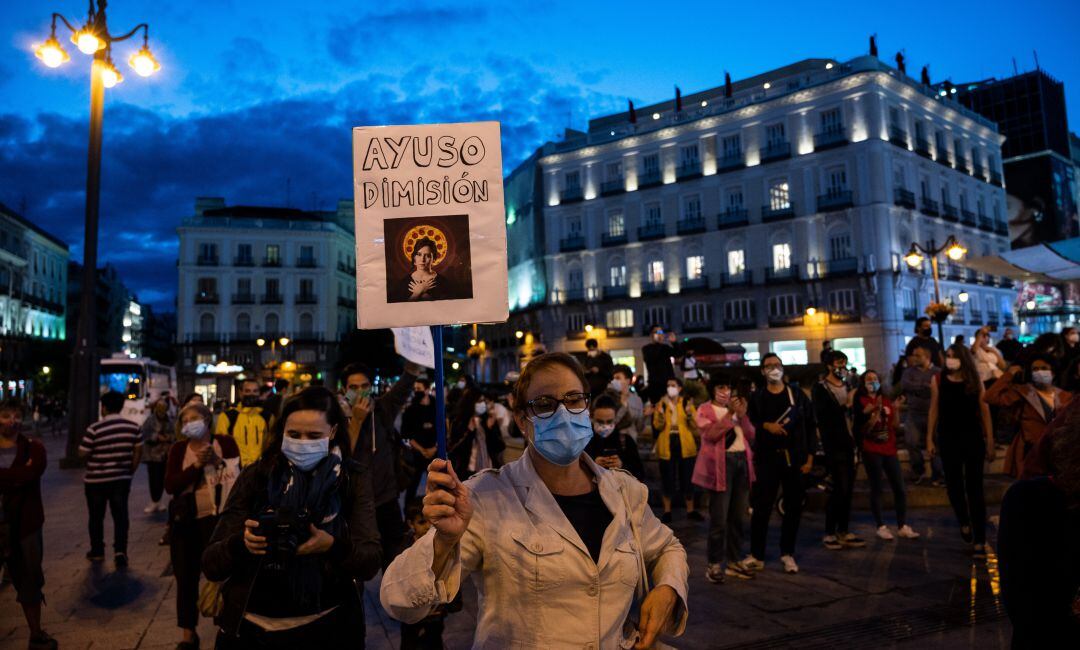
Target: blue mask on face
{"x":305,"y":454}
{"x":562,"y":437}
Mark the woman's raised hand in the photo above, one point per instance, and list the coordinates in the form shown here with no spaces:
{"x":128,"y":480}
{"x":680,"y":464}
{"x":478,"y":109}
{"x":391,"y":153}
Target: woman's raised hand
{"x":447,"y":505}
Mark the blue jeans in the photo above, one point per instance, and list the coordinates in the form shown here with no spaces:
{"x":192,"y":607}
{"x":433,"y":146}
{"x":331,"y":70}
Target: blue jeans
{"x":727,"y":511}
{"x":915,"y":441}
{"x":876,"y":464}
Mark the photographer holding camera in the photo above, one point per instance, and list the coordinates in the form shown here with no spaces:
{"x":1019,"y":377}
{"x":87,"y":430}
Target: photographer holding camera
{"x":296,"y":532}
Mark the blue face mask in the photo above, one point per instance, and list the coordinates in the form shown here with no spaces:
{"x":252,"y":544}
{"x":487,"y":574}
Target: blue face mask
{"x":562,"y":437}
{"x":873,"y":386}
{"x":305,"y":454}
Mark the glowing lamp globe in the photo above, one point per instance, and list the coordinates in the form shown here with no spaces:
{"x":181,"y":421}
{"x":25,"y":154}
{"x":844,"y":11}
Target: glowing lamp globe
{"x":144,"y":63}
{"x":87,"y":41}
{"x":51,"y":54}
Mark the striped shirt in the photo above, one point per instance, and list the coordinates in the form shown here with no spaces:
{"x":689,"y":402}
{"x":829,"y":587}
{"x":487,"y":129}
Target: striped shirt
{"x":109,"y":445}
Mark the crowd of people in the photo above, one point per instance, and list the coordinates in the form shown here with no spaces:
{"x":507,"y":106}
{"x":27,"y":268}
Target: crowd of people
{"x":282,"y":505}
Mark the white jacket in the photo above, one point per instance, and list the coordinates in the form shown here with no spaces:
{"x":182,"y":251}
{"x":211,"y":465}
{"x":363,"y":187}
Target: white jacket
{"x":538,"y":586}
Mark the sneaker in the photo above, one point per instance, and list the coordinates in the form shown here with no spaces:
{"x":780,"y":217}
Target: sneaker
{"x":95,"y":556}
{"x":695,"y":515}
{"x":151,"y":508}
{"x":665,"y":518}
{"x":884,"y":533}
{"x":907,"y":533}
{"x":831,"y":543}
{"x":161,"y":507}
{"x":121,"y":560}
{"x":965,"y":534}
{"x":715,"y":574}
{"x":789,"y":564}
{"x":42,"y":641}
{"x":737,"y":570}
{"x":852,"y":541}
{"x":751,"y":562}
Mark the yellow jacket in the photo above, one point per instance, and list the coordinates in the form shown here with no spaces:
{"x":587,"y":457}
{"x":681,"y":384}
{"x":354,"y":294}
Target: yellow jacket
{"x":247,"y":428}
{"x":684,"y":413}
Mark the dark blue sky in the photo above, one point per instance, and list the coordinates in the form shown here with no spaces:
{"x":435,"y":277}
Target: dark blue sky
{"x":257,"y":96}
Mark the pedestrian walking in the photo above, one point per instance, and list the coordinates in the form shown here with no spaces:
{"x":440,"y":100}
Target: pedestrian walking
{"x":832,"y":405}
{"x":924,"y":339}
{"x":915,"y":388}
{"x":202,"y":469}
{"x":659,"y":356}
{"x":961,"y":432}
{"x":598,"y":367}
{"x":876,"y":420}
{"x":725,"y":470}
{"x":112,"y":447}
{"x":158,"y":433}
{"x":1009,"y":347}
{"x":610,"y":448}
{"x":988,"y":360}
{"x":246,"y":422}
{"x":676,"y":448}
{"x":784,"y":440}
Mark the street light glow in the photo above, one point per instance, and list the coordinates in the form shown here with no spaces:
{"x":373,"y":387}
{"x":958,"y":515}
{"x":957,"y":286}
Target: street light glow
{"x":1030,"y":305}
{"x":110,"y":76}
{"x":284,"y":341}
{"x":455,"y":365}
{"x":519,"y":334}
{"x":260,"y":342}
{"x":913,"y":259}
{"x":144,"y":63}
{"x":45,"y":370}
{"x":963,"y":296}
{"x":51,"y":53}
{"x":956,"y":252}
{"x":87,"y":41}
{"x":811,"y":310}
{"x":589,"y":329}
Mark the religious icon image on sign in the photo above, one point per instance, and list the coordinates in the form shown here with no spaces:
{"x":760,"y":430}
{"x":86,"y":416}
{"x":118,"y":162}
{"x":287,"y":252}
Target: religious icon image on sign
{"x":427,"y":258}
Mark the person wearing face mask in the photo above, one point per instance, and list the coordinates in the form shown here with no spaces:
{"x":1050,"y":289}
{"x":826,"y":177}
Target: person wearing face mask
{"x":924,"y":339}
{"x":418,"y":427}
{"x":832,"y":406}
{"x":1009,"y":347}
{"x":875,"y":422}
{"x":659,"y":356}
{"x":725,"y":469}
{"x":559,"y":548}
{"x":610,"y":448}
{"x":245,"y":422}
{"x":676,"y":448}
{"x":630,"y":414}
{"x":199,"y":475}
{"x":915,"y":388}
{"x":297,"y":536}
{"x":22,"y":464}
{"x":961,"y":431}
{"x":474,"y":440}
{"x":784,"y":442}
{"x":988,"y":360}
{"x":158,"y":431}
{"x":598,"y":367}
{"x":1029,"y":393}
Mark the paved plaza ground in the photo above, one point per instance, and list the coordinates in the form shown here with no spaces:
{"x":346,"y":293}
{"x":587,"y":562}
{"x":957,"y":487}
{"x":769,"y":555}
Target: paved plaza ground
{"x":926,"y":593}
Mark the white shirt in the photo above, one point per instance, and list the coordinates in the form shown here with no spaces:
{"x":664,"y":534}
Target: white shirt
{"x":538,"y":586}
{"x":740,"y":439}
{"x":986,"y":363}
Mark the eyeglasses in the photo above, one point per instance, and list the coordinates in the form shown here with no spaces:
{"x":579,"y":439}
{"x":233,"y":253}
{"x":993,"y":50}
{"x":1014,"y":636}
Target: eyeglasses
{"x":545,"y":406}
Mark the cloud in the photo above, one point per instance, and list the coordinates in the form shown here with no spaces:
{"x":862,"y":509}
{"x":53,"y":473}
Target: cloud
{"x":355,"y":40}
{"x":154,"y":165}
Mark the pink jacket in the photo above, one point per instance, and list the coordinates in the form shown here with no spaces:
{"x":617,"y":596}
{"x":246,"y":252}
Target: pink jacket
{"x":710,"y":470}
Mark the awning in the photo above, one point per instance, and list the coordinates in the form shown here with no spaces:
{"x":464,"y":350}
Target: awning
{"x":1055,"y":262}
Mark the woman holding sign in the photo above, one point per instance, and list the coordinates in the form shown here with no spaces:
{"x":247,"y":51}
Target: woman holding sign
{"x":559,"y":546}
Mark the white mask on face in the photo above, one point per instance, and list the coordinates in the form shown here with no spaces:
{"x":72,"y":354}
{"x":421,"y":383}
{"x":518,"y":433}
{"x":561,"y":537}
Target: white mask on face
{"x":673,"y":391}
{"x":774,"y":375}
{"x":952,"y":364}
{"x":616,"y":385}
{"x":481,"y":408}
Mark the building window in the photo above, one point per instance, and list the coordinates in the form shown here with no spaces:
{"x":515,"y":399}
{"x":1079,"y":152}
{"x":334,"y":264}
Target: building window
{"x":840,"y":246}
{"x":907,"y":300}
{"x":692,"y":207}
{"x":652,"y":214}
{"x":779,"y":195}
{"x":617,"y":275}
{"x":206,"y":324}
{"x":740,"y":310}
{"x":732,"y":147}
{"x":613,"y":171}
{"x":736,"y":262}
{"x":774,"y":134}
{"x":654,"y":272}
{"x":207,"y":287}
{"x":695,"y":267}
{"x":243,"y":325}
{"x":616,"y":224}
{"x":924,"y":188}
{"x":696,"y":313}
{"x":307,"y":255}
{"x":781,"y":256}
{"x":243,"y":286}
{"x":307,"y":324}
{"x":842,"y":301}
{"x":980,"y":206}
{"x":656,"y":316}
{"x":791,"y":353}
{"x":243,"y":254}
{"x":785,"y":305}
{"x":650,"y":164}
{"x":307,"y":287}
{"x":958,"y":148}
{"x":836,"y":179}
{"x":963,"y":200}
{"x":273,"y":254}
{"x":619,"y":318}
{"x":940,"y":142}
{"x":572,"y":180}
{"x":273,"y":287}
{"x":572,"y":225}
{"x":894,"y":117}
{"x":735,"y":199}
{"x":831,"y":121}
{"x":272,"y":324}
{"x":688,"y":156}
{"x":898,"y":177}
{"x":576,"y":322}
{"x":207,"y":252}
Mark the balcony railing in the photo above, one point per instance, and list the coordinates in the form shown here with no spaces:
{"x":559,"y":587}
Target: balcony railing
{"x":653,"y":288}
{"x":306,"y":263}
{"x":207,"y":260}
{"x":850,"y":316}
{"x":688,"y":169}
{"x":737,"y":279}
{"x":572,"y":243}
{"x":740,"y":323}
{"x":571,"y":195}
{"x":789,"y":274}
{"x":975,"y":318}
{"x":690,"y":225}
{"x":206,"y":298}
{"x":961,"y":166}
{"x":732,"y":218}
{"x":650,"y":231}
{"x":730,"y":163}
{"x":616,"y":291}
{"x":904,"y":198}
{"x":695,"y":326}
{"x":573,"y":294}
{"x":992,"y":318}
{"x":244,"y":261}
{"x":928,"y":206}
{"x":978,"y":171}
{"x":695,"y":284}
{"x":272,"y":299}
{"x":898,"y":136}
{"x":619,"y":332}
{"x":271,"y":261}
{"x":608,"y":239}
{"x":345,"y":268}
{"x":1001,"y":228}
{"x":613,"y":186}
{"x":943,"y":158}
{"x":986,"y":223}
{"x":830,"y":138}
{"x":306,"y":299}
{"x":834,"y":200}
{"x":649,"y":179}
{"x":967,"y":217}
{"x":949,"y":213}
{"x":775,"y":151}
{"x":243,"y":299}
{"x":781,"y":320}
{"x":995,"y":178}
{"x":205,"y":337}
{"x":777,"y":214}
{"x":922,"y":147}
{"x":839,"y":268}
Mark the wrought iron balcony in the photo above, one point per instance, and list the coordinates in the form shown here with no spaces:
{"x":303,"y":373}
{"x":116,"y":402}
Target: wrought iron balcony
{"x":573,"y":294}
{"x":572,"y":243}
{"x":944,"y":158}
{"x":653,"y":288}
{"x":986,"y":223}
{"x":730,"y":163}
{"x":783,"y":320}
{"x":650,"y":179}
{"x":306,"y":299}
{"x":949,"y":213}
{"x":732,"y":218}
{"x":271,"y":261}
{"x":695,"y":326}
{"x":306,"y":263}
{"x":842,"y":267}
{"x":898,"y":136}
{"x":740,"y":324}
{"x":928,"y":206}
{"x":695,"y":284}
{"x":243,"y":299}
{"x":608,"y":239}
{"x":904,"y":198}
{"x":616,"y":291}
{"x":690,"y":225}
{"x":244,"y":261}
{"x":777,"y":214}
{"x":207,"y":260}
{"x":850,"y":316}
{"x":967,"y":217}
{"x":650,"y":231}
{"x":790,"y":274}
{"x":922,"y":147}
{"x":775,"y":151}
{"x":834,"y":200}
{"x":737,"y":279}
{"x":613,"y":186}
{"x":688,"y":169}
{"x":995,"y":178}
{"x":1001,"y":228}
{"x":272,"y":299}
{"x":206,"y":298}
{"x":961,"y":166}
{"x":571,"y":195}
{"x":830,"y":138}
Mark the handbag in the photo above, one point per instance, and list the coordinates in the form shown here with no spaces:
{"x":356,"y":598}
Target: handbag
{"x":630,"y":628}
{"x":211,"y":599}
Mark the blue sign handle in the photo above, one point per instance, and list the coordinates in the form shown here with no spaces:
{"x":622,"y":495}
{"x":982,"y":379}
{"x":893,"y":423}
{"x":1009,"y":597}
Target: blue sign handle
{"x":440,"y":391}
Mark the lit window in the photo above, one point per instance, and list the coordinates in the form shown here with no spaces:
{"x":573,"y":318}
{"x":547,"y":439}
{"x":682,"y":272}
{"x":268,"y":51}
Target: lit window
{"x":781,"y":255}
{"x":655,"y":272}
{"x":736,"y":262}
{"x":618,"y":275}
{"x":619,"y":318}
{"x":616,"y":223}
{"x":695,"y":267}
{"x":779,"y":195}
{"x":791,"y":353}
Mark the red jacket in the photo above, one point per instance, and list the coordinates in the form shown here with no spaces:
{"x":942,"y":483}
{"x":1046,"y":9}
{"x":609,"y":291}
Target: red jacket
{"x":862,"y":426}
{"x":20,"y":486}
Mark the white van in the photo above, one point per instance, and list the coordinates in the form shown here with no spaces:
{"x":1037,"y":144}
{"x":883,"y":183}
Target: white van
{"x":142,"y":380}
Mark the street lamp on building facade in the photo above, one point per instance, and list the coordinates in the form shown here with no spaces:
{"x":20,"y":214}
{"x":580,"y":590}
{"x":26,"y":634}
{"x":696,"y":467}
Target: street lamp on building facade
{"x":915,"y":257}
{"x":93,"y":39}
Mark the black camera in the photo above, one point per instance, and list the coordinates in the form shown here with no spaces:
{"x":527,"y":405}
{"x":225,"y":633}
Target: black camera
{"x":285,"y":530}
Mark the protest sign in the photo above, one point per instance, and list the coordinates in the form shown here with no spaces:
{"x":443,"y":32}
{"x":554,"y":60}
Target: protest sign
{"x":430,"y":225}
{"x":414,"y":343}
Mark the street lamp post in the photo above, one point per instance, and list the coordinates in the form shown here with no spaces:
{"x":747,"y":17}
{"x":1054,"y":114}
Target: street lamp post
{"x":917,"y":254}
{"x":93,"y":38}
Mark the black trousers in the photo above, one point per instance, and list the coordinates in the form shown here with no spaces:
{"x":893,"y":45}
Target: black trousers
{"x":186,"y":544}
{"x":964,"y":482}
{"x":155,"y":475}
{"x":391,"y":530}
{"x":838,"y":508}
{"x":334,"y":630}
{"x":425,"y":635}
{"x":771,"y":475}
{"x":114,"y":496}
